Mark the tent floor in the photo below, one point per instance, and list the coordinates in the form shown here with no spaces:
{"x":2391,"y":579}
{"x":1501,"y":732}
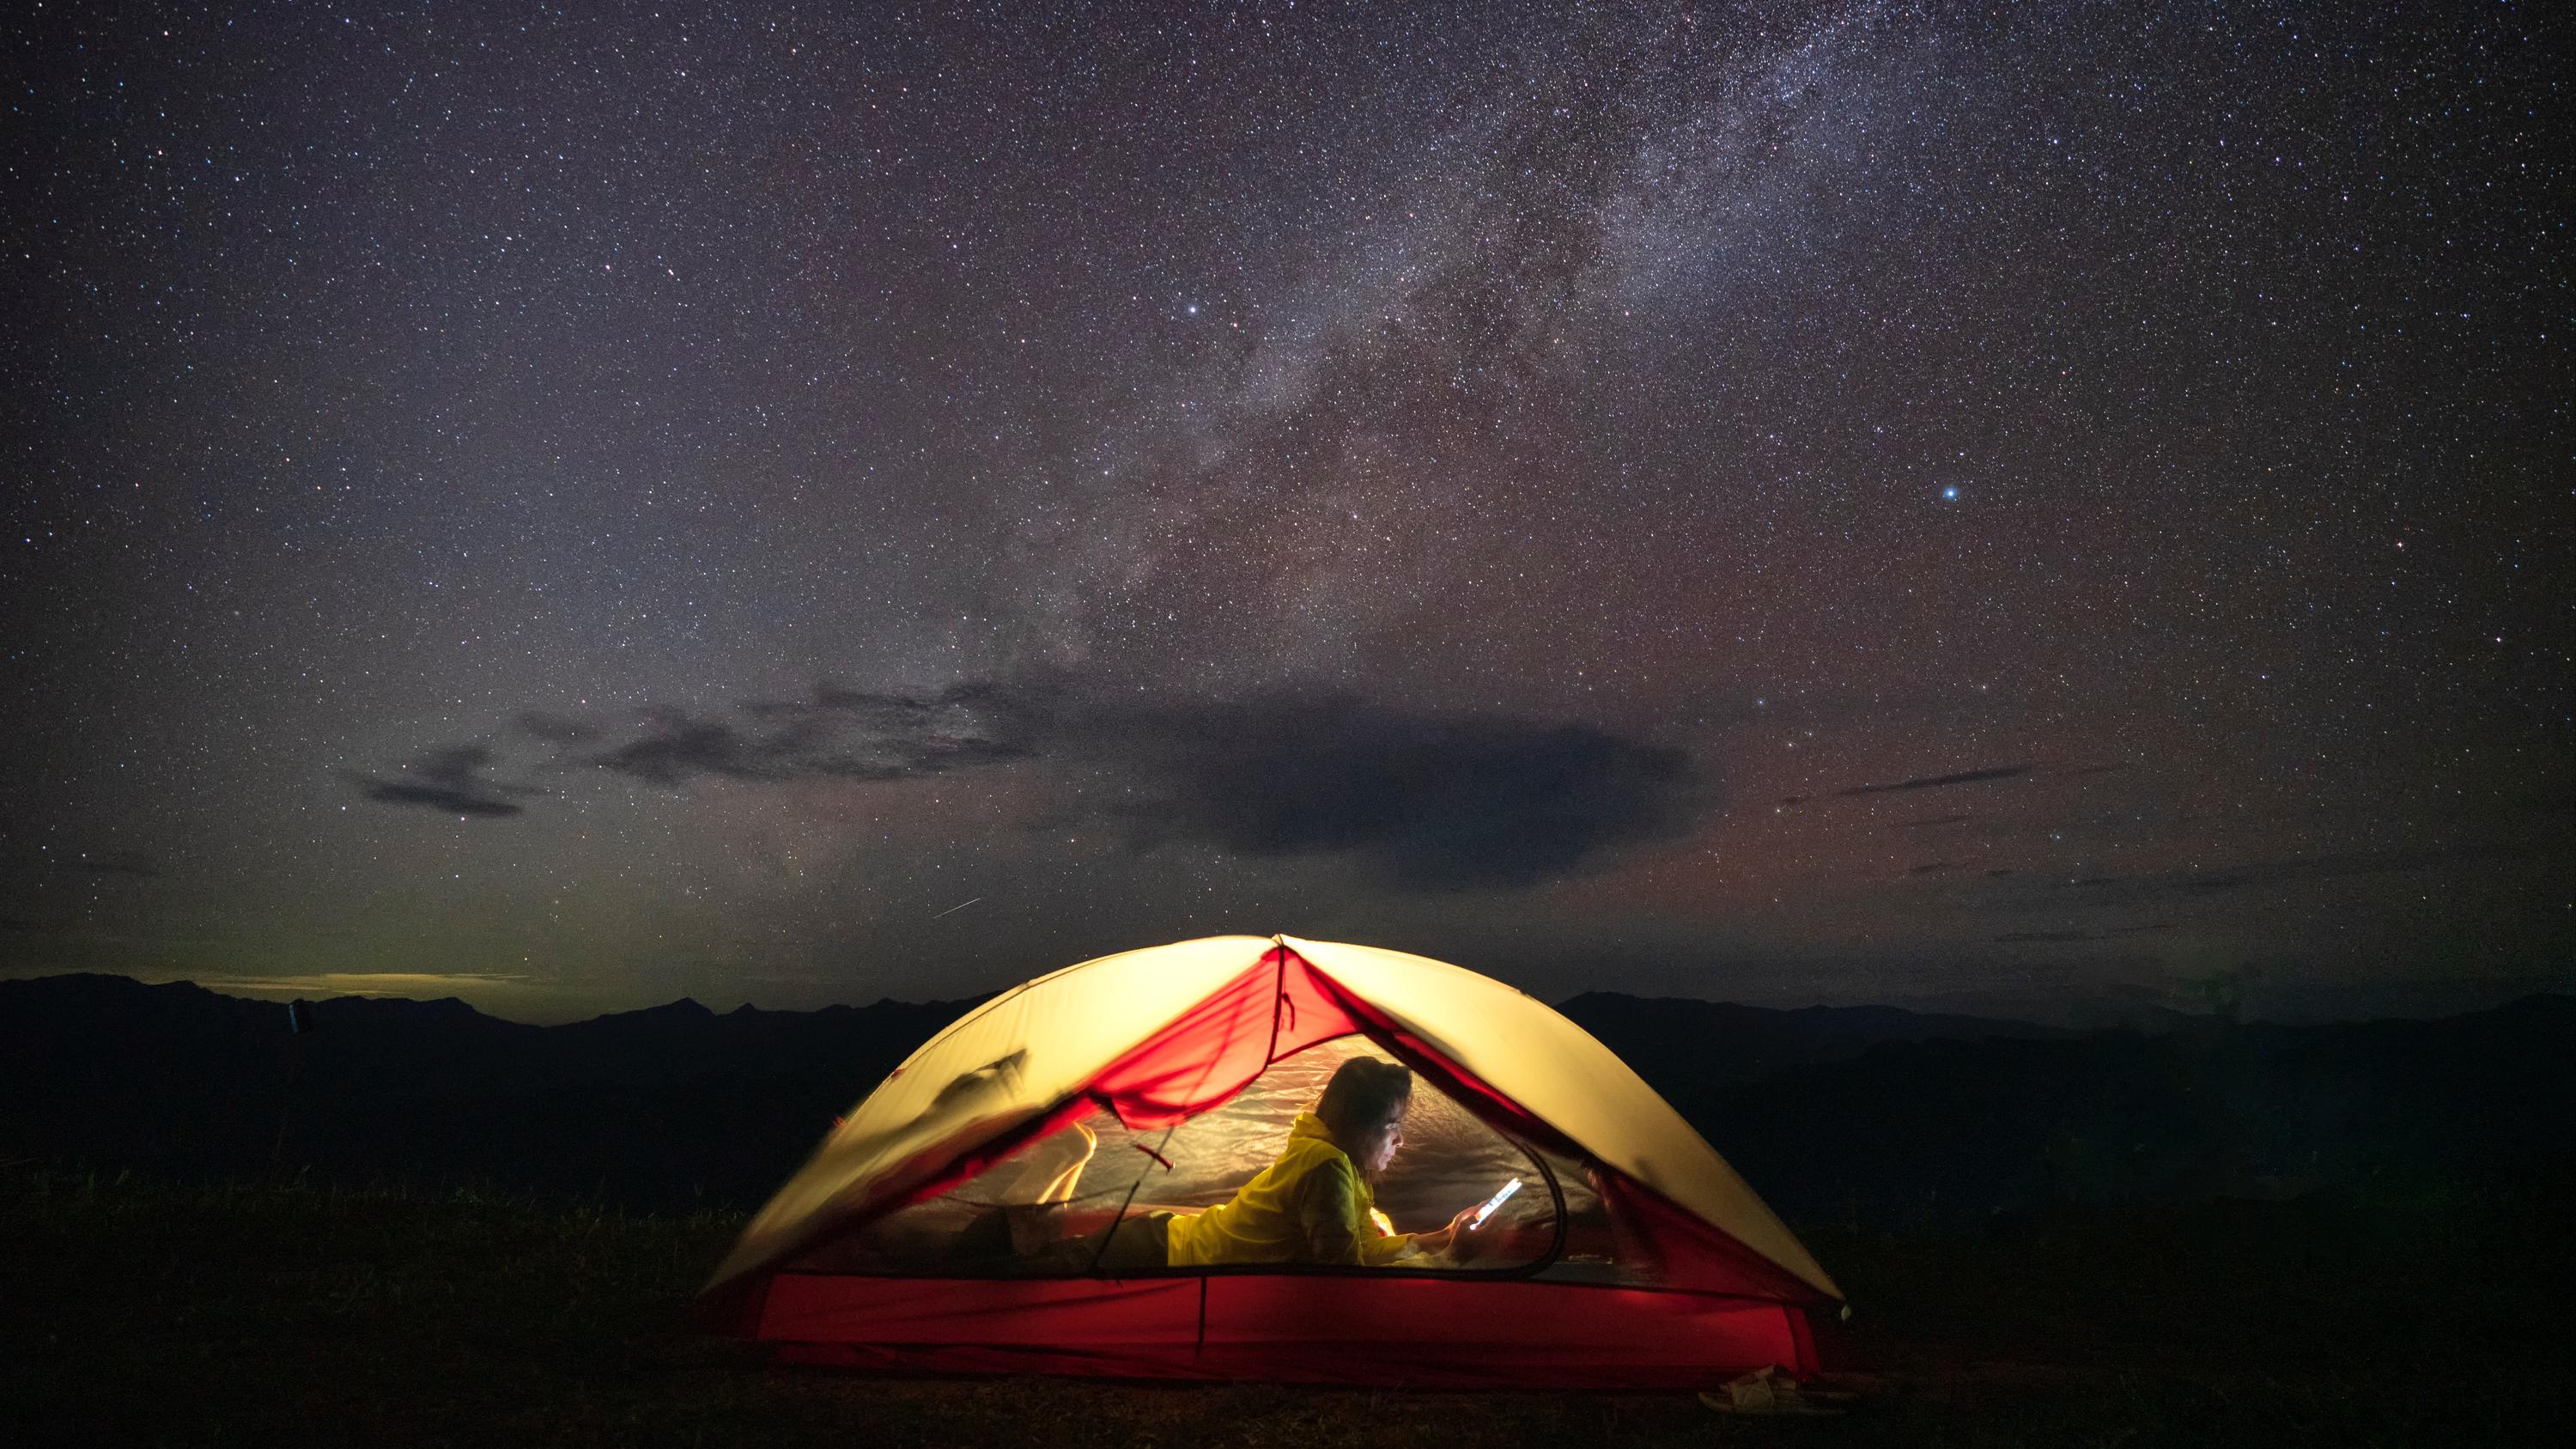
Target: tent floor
{"x":1410,"y":1331}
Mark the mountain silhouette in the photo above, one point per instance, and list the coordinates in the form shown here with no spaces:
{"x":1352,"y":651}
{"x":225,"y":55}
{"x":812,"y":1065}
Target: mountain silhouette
{"x":661,"y":1107}
{"x":1871,"y":1115}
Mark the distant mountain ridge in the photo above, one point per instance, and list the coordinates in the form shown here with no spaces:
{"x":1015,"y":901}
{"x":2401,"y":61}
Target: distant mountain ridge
{"x":670,"y":1104}
{"x":1681,"y":1038}
{"x":1872,"y":1114}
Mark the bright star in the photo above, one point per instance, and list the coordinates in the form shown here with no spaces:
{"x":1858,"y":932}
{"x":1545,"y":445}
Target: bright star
{"x":1951,"y":491}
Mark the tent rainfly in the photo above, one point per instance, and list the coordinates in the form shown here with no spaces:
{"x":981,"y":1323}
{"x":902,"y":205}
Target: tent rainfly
{"x":1640,"y":1260}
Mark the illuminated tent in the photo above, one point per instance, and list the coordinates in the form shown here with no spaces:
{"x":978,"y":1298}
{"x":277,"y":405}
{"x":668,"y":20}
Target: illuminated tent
{"x":1637,"y":1258}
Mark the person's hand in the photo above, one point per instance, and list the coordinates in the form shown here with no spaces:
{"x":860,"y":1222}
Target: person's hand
{"x":1465,"y":1240}
{"x":1455,"y":1235}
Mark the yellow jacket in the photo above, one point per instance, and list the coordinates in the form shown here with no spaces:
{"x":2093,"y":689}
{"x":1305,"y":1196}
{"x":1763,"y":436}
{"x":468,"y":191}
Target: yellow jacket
{"x":1311,"y":1206}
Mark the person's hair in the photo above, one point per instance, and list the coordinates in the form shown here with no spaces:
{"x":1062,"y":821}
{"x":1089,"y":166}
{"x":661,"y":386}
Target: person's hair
{"x":1363,"y":1092}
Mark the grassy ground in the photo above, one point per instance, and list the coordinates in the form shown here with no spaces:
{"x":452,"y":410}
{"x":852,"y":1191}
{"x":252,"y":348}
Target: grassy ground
{"x":162,"y":1313}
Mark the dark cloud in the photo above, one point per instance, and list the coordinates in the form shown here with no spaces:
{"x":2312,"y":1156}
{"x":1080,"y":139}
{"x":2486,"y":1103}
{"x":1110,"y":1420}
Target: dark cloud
{"x":438,"y":797}
{"x":2048,"y":896}
{"x":1935,"y":782}
{"x":839,"y":734}
{"x":2300,"y":870}
{"x":675,"y":749}
{"x":1933,"y":867}
{"x":450,"y":780}
{"x":1436,"y":802}
{"x":1935,"y":820}
{"x":1433,"y":802}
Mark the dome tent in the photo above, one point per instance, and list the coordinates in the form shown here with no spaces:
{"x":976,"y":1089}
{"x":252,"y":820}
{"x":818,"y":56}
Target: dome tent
{"x":1643,"y":1261}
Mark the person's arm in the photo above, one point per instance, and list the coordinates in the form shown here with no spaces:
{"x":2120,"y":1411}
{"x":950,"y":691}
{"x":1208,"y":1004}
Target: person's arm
{"x":1442,"y":1240}
{"x":1338,"y":1232}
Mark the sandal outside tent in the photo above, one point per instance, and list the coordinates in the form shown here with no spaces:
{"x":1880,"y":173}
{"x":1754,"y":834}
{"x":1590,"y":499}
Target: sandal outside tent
{"x":1159,"y":1079}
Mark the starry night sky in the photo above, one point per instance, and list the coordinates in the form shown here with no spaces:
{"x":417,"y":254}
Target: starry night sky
{"x":2026,"y":508}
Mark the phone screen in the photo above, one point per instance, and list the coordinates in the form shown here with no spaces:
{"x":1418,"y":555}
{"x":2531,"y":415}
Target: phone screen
{"x":1500,"y":1196}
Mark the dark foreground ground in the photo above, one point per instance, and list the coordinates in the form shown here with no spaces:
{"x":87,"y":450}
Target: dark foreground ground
{"x":156,"y":1312}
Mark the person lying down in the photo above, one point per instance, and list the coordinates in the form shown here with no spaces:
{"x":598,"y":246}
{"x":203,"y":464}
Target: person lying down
{"x":1313,"y":1206}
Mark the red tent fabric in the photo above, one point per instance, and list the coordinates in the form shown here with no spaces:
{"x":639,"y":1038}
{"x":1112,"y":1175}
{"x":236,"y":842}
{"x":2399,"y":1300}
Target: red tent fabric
{"x":1715,"y":1286}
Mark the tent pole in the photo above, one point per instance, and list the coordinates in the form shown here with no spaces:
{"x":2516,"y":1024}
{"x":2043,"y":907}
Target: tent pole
{"x":1278,"y":994}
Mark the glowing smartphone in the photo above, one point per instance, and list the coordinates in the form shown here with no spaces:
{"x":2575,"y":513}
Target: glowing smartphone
{"x":1501,"y":1196}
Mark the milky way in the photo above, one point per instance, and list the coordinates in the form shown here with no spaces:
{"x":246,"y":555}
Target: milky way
{"x":2025,"y":507}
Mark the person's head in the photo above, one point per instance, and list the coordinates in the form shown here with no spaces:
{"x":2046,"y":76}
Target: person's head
{"x":1363,"y":1107}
